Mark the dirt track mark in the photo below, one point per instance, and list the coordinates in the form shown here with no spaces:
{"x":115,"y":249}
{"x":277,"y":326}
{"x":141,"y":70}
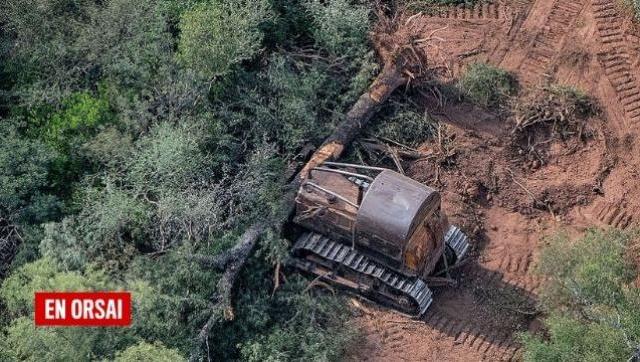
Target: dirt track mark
{"x":495,"y":345}
{"x":517,"y":264}
{"x":550,"y":40}
{"x":615,"y":215}
{"x":616,"y":60}
{"x":479,"y":11}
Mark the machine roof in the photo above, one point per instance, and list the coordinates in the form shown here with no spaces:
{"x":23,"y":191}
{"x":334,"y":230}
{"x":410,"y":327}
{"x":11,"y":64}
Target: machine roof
{"x":390,"y":207}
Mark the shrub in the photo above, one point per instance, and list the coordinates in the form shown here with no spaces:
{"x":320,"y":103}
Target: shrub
{"x":24,"y":177}
{"x":81,"y":115}
{"x":286,"y":106}
{"x":216,"y":36}
{"x":574,"y":340}
{"x":487,"y":85}
{"x":144,"y":351}
{"x":24,"y":341}
{"x":338,"y":26}
{"x":405,"y":124}
{"x":591,"y":299}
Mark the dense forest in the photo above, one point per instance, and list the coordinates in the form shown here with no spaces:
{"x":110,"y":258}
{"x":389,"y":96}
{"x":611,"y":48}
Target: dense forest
{"x":140,"y":139}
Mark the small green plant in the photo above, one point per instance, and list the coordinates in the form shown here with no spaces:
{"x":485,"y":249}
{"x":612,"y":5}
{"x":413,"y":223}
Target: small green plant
{"x":486,"y":85}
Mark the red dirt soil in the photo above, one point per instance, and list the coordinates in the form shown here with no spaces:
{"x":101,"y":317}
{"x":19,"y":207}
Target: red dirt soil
{"x":504,"y":200}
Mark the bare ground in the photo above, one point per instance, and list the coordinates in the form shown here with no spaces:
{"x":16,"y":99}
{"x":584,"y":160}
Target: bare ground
{"x":507,"y":199}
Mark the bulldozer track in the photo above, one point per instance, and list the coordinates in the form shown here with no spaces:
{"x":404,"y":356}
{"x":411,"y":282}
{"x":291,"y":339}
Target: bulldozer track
{"x":517,"y":264}
{"x":616,"y":215}
{"x":616,"y":61}
{"x":523,"y":281}
{"x":515,"y":270}
{"x":479,"y":11}
{"x":414,"y":288}
{"x":475,"y":337}
{"x":548,"y":42}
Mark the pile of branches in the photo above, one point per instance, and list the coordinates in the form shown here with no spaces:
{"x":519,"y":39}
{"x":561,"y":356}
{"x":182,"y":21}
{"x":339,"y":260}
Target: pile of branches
{"x":560,"y":110}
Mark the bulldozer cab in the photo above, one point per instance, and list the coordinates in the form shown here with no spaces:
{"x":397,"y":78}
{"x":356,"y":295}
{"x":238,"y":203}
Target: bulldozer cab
{"x":390,"y":216}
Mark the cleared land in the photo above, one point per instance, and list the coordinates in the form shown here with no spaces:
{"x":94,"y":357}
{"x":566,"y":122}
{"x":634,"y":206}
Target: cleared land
{"x":511,"y":192}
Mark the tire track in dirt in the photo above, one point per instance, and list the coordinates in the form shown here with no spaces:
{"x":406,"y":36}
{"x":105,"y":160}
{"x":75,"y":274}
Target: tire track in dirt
{"x":479,"y":11}
{"x":548,"y":42}
{"x":616,"y":215}
{"x":615,"y":59}
{"x":495,"y":346}
{"x":495,"y":299}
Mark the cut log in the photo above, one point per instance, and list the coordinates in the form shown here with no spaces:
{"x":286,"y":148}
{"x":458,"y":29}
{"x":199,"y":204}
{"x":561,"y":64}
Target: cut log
{"x":356,"y":119}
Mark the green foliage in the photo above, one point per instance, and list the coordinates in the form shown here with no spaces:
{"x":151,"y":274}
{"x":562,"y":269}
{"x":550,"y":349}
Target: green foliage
{"x":314,"y":327}
{"x":112,"y":119}
{"x":634,"y":6}
{"x":66,"y":46}
{"x":216,"y":36}
{"x":81,"y":114}
{"x":591,"y":300}
{"x":81,"y":110}
{"x":44,"y":274}
{"x":405,"y":124}
{"x":144,"y":351}
{"x":487,"y":85}
{"x":26,"y":342}
{"x":559,"y":108}
{"x":24,"y":176}
{"x":296,"y":100}
{"x":338,"y":26}
{"x":592,"y":270}
{"x":576,"y":101}
{"x":573,"y":340}
{"x":153,"y":165}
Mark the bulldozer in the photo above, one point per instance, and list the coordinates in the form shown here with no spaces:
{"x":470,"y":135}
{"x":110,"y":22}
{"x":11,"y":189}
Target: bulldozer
{"x":375,"y":233}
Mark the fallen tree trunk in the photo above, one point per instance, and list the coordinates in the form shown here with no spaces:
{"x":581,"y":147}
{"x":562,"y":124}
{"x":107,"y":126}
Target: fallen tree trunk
{"x":355,"y":120}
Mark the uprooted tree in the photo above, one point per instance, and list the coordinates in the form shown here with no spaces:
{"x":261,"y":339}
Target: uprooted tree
{"x":403,"y":55}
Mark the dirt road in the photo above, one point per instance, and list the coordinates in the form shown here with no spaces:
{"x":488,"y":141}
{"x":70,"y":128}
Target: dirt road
{"x":494,"y":191}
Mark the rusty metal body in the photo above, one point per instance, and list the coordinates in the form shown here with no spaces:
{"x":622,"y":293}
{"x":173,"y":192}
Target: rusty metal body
{"x":378,"y":237}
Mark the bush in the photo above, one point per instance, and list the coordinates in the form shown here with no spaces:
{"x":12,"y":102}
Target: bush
{"x":216,"y":36}
{"x":591,"y":298}
{"x":487,"y":85}
{"x":338,"y":26}
{"x":574,"y":340}
{"x":144,"y":351}
{"x":405,"y":124}
{"x":24,"y":178}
